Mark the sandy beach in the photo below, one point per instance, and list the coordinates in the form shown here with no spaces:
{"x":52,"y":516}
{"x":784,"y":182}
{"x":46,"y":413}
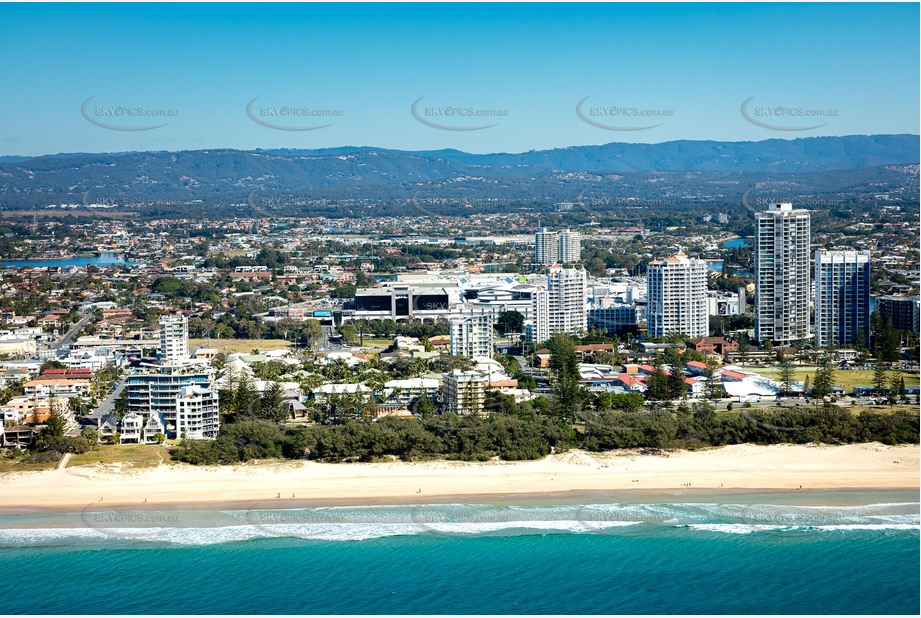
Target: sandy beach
{"x":782,"y":467}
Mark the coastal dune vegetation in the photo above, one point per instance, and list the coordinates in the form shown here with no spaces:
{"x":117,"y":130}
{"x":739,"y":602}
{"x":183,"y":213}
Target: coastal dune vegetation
{"x":511,"y":437}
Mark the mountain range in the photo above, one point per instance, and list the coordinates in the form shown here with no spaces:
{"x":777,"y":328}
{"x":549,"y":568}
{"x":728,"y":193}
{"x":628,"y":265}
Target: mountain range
{"x":297,"y":180}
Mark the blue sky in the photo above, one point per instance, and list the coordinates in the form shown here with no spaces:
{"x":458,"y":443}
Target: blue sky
{"x":853,"y":68}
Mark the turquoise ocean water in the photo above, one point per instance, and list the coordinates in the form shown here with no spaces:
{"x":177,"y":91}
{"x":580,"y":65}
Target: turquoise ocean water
{"x":816,"y":552}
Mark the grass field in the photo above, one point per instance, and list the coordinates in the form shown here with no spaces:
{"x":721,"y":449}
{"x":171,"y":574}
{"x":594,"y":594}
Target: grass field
{"x":17,"y":465}
{"x":127,"y":455}
{"x":371,"y":342}
{"x":131,"y":455}
{"x":246,"y":346}
{"x":845,"y":379}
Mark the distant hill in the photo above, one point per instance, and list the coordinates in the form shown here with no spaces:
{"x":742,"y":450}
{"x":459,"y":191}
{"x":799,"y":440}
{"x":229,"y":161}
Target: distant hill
{"x":811,"y":154}
{"x":680,"y":170}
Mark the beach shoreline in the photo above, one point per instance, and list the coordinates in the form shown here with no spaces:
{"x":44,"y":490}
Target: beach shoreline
{"x":837,"y":496}
{"x":570,"y":476}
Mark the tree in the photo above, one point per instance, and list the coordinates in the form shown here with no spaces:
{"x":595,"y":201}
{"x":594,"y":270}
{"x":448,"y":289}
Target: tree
{"x":628,"y":402}
{"x":713,"y":387}
{"x":565,"y":365}
{"x":677,"y":388}
{"x":744,"y":349}
{"x":424,"y":408}
{"x":860,"y":341}
{"x":769,"y":352}
{"x":219,"y":360}
{"x":887,"y":342}
{"x":786,"y":376}
{"x":895,"y":384}
{"x":657,"y":386}
{"x":271,"y":407}
{"x":880,"y":378}
{"x":311,"y":332}
{"x":240,"y":399}
{"x":51,"y":364}
{"x":51,"y":437}
{"x":510,"y":322}
{"x":344,"y":290}
{"x":824,"y":380}
{"x":90,"y":434}
{"x":674,"y":360}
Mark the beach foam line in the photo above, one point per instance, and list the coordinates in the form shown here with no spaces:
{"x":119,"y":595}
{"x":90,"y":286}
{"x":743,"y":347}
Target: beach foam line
{"x":754,"y":528}
{"x":49,"y":537}
{"x":354,"y":523}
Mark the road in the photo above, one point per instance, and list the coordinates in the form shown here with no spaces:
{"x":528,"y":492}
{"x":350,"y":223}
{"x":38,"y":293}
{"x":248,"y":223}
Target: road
{"x":325,"y":344}
{"x":72,"y":332}
{"x":107,"y":405}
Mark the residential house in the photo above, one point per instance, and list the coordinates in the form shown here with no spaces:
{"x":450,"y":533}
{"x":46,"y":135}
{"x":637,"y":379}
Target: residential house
{"x":131,"y":429}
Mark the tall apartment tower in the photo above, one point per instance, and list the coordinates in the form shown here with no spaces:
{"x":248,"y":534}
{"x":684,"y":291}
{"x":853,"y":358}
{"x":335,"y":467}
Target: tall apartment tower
{"x":676,"y":297}
{"x":782,"y":289}
{"x":546,"y":247}
{"x":563,"y":247}
{"x":569,"y":246}
{"x":904,"y":311}
{"x":472,"y":335}
{"x":842,"y":297}
{"x":174,"y":338}
{"x":198,"y":414}
{"x":560,"y":307}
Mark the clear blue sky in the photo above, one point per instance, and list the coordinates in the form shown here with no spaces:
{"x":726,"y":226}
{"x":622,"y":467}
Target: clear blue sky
{"x":537,"y":61}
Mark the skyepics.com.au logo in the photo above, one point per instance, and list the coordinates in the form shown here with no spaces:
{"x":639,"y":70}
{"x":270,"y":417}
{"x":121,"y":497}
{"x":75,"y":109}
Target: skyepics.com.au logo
{"x":441,"y":206}
{"x":757,"y":204}
{"x":606,"y":202}
{"x":125,"y":117}
{"x":260,"y":203}
{"x":105,"y":202}
{"x":130,"y":523}
{"x":292,"y":117}
{"x":456,"y":117}
{"x":621,"y":117}
{"x":785,"y":117}
{"x":620,"y":211}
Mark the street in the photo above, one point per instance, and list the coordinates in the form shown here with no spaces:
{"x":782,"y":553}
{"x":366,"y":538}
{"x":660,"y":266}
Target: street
{"x":71,"y":333}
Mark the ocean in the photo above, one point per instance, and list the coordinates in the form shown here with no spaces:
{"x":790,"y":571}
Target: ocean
{"x":799,"y":553}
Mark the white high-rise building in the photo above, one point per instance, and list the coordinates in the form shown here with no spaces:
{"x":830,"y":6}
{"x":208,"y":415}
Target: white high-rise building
{"x":174,"y":338}
{"x":546,"y":247}
{"x":472,"y":335}
{"x":676,"y":297}
{"x":560,"y":307}
{"x":197,"y":413}
{"x":842,"y":297}
{"x":782,"y":287}
{"x":465,"y":392}
{"x":564,"y":247}
{"x":569,"y":246}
